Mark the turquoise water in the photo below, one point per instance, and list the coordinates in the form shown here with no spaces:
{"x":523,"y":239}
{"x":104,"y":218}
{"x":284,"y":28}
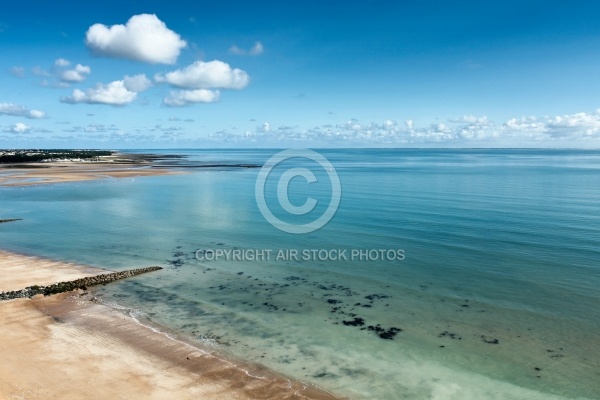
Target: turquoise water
{"x":499,"y":245}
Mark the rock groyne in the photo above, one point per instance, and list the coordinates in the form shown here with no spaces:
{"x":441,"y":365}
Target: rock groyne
{"x":67,"y":286}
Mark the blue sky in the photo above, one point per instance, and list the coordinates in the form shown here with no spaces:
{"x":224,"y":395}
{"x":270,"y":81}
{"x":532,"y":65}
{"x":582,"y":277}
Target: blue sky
{"x":143,"y":74}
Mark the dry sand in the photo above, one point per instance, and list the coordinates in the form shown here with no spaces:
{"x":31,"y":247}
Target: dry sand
{"x":19,"y":271}
{"x":69,"y":346}
{"x":46,"y":173}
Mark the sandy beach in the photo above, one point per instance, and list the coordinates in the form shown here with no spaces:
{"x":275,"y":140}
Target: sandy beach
{"x":71,"y":346}
{"x":19,"y":271}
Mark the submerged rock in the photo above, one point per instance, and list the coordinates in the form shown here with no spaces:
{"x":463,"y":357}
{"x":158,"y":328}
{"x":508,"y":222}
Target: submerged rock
{"x":355,"y":322}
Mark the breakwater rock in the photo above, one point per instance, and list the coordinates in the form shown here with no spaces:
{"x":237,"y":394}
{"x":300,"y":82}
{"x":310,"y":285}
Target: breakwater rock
{"x":9,"y":220}
{"x":67,"y":286}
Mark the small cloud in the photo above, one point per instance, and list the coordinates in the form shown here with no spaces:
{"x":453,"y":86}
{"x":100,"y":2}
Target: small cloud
{"x":160,"y":128}
{"x":93,"y":128}
{"x":410,"y":124}
{"x":143,"y":38}
{"x":184,"y":97}
{"x":255,"y":50}
{"x":236,"y":50}
{"x":77,"y":74}
{"x":471,"y":119}
{"x":36,"y":114}
{"x":19,"y":72}
{"x":114,"y":93}
{"x":63,"y":74}
{"x":352,"y":125}
{"x":206,"y":75}
{"x":177,"y":119}
{"x":265,"y":128}
{"x":137,"y":83}
{"x":39,"y":71}
{"x":19,"y":127}
{"x":61,"y":62}
{"x":49,"y":84}
{"x":389,"y":125}
{"x":20,"y":111}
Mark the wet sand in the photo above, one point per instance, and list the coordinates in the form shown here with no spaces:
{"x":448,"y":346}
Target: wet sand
{"x":70,"y":346}
{"x":36,"y":174}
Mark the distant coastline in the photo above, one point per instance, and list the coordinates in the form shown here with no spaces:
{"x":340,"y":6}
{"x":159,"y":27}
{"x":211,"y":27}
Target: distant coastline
{"x":35,"y":167}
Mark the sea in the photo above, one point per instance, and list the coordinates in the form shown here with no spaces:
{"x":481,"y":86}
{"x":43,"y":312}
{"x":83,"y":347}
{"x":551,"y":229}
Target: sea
{"x":432,"y":274}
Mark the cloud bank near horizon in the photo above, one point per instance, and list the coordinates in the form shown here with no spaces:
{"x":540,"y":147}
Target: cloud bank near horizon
{"x":578,"y":129}
{"x":569,"y":130}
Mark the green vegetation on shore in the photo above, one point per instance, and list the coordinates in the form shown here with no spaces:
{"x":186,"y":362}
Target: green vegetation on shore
{"x":33,"y":155}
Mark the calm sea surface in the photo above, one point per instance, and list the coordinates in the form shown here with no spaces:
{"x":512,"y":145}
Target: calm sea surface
{"x":497,"y":297}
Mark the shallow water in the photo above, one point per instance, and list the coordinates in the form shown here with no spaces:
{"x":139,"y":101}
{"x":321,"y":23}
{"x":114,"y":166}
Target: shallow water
{"x":500,"y":245}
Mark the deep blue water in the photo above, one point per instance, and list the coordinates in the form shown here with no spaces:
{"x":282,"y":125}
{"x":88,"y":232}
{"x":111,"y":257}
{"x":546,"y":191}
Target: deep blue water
{"x":499,"y":245}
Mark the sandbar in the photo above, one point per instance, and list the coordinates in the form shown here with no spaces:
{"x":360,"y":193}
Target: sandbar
{"x":37,"y":174}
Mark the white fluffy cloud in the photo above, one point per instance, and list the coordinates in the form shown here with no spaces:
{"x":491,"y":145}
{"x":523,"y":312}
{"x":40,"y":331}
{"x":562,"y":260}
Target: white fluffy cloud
{"x":585,"y":124}
{"x":143,"y":38}
{"x":579,"y":125}
{"x":206,"y":75}
{"x":20,"y":111}
{"x":77,"y":74}
{"x":353,"y":125}
{"x":62,"y":74}
{"x":524,"y":125}
{"x":36,"y":114}
{"x":255,"y":50}
{"x":184,"y":97}
{"x":389,"y":125}
{"x":19,"y":127}
{"x":137,"y":83}
{"x":116,"y":93}
{"x":265,"y":128}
